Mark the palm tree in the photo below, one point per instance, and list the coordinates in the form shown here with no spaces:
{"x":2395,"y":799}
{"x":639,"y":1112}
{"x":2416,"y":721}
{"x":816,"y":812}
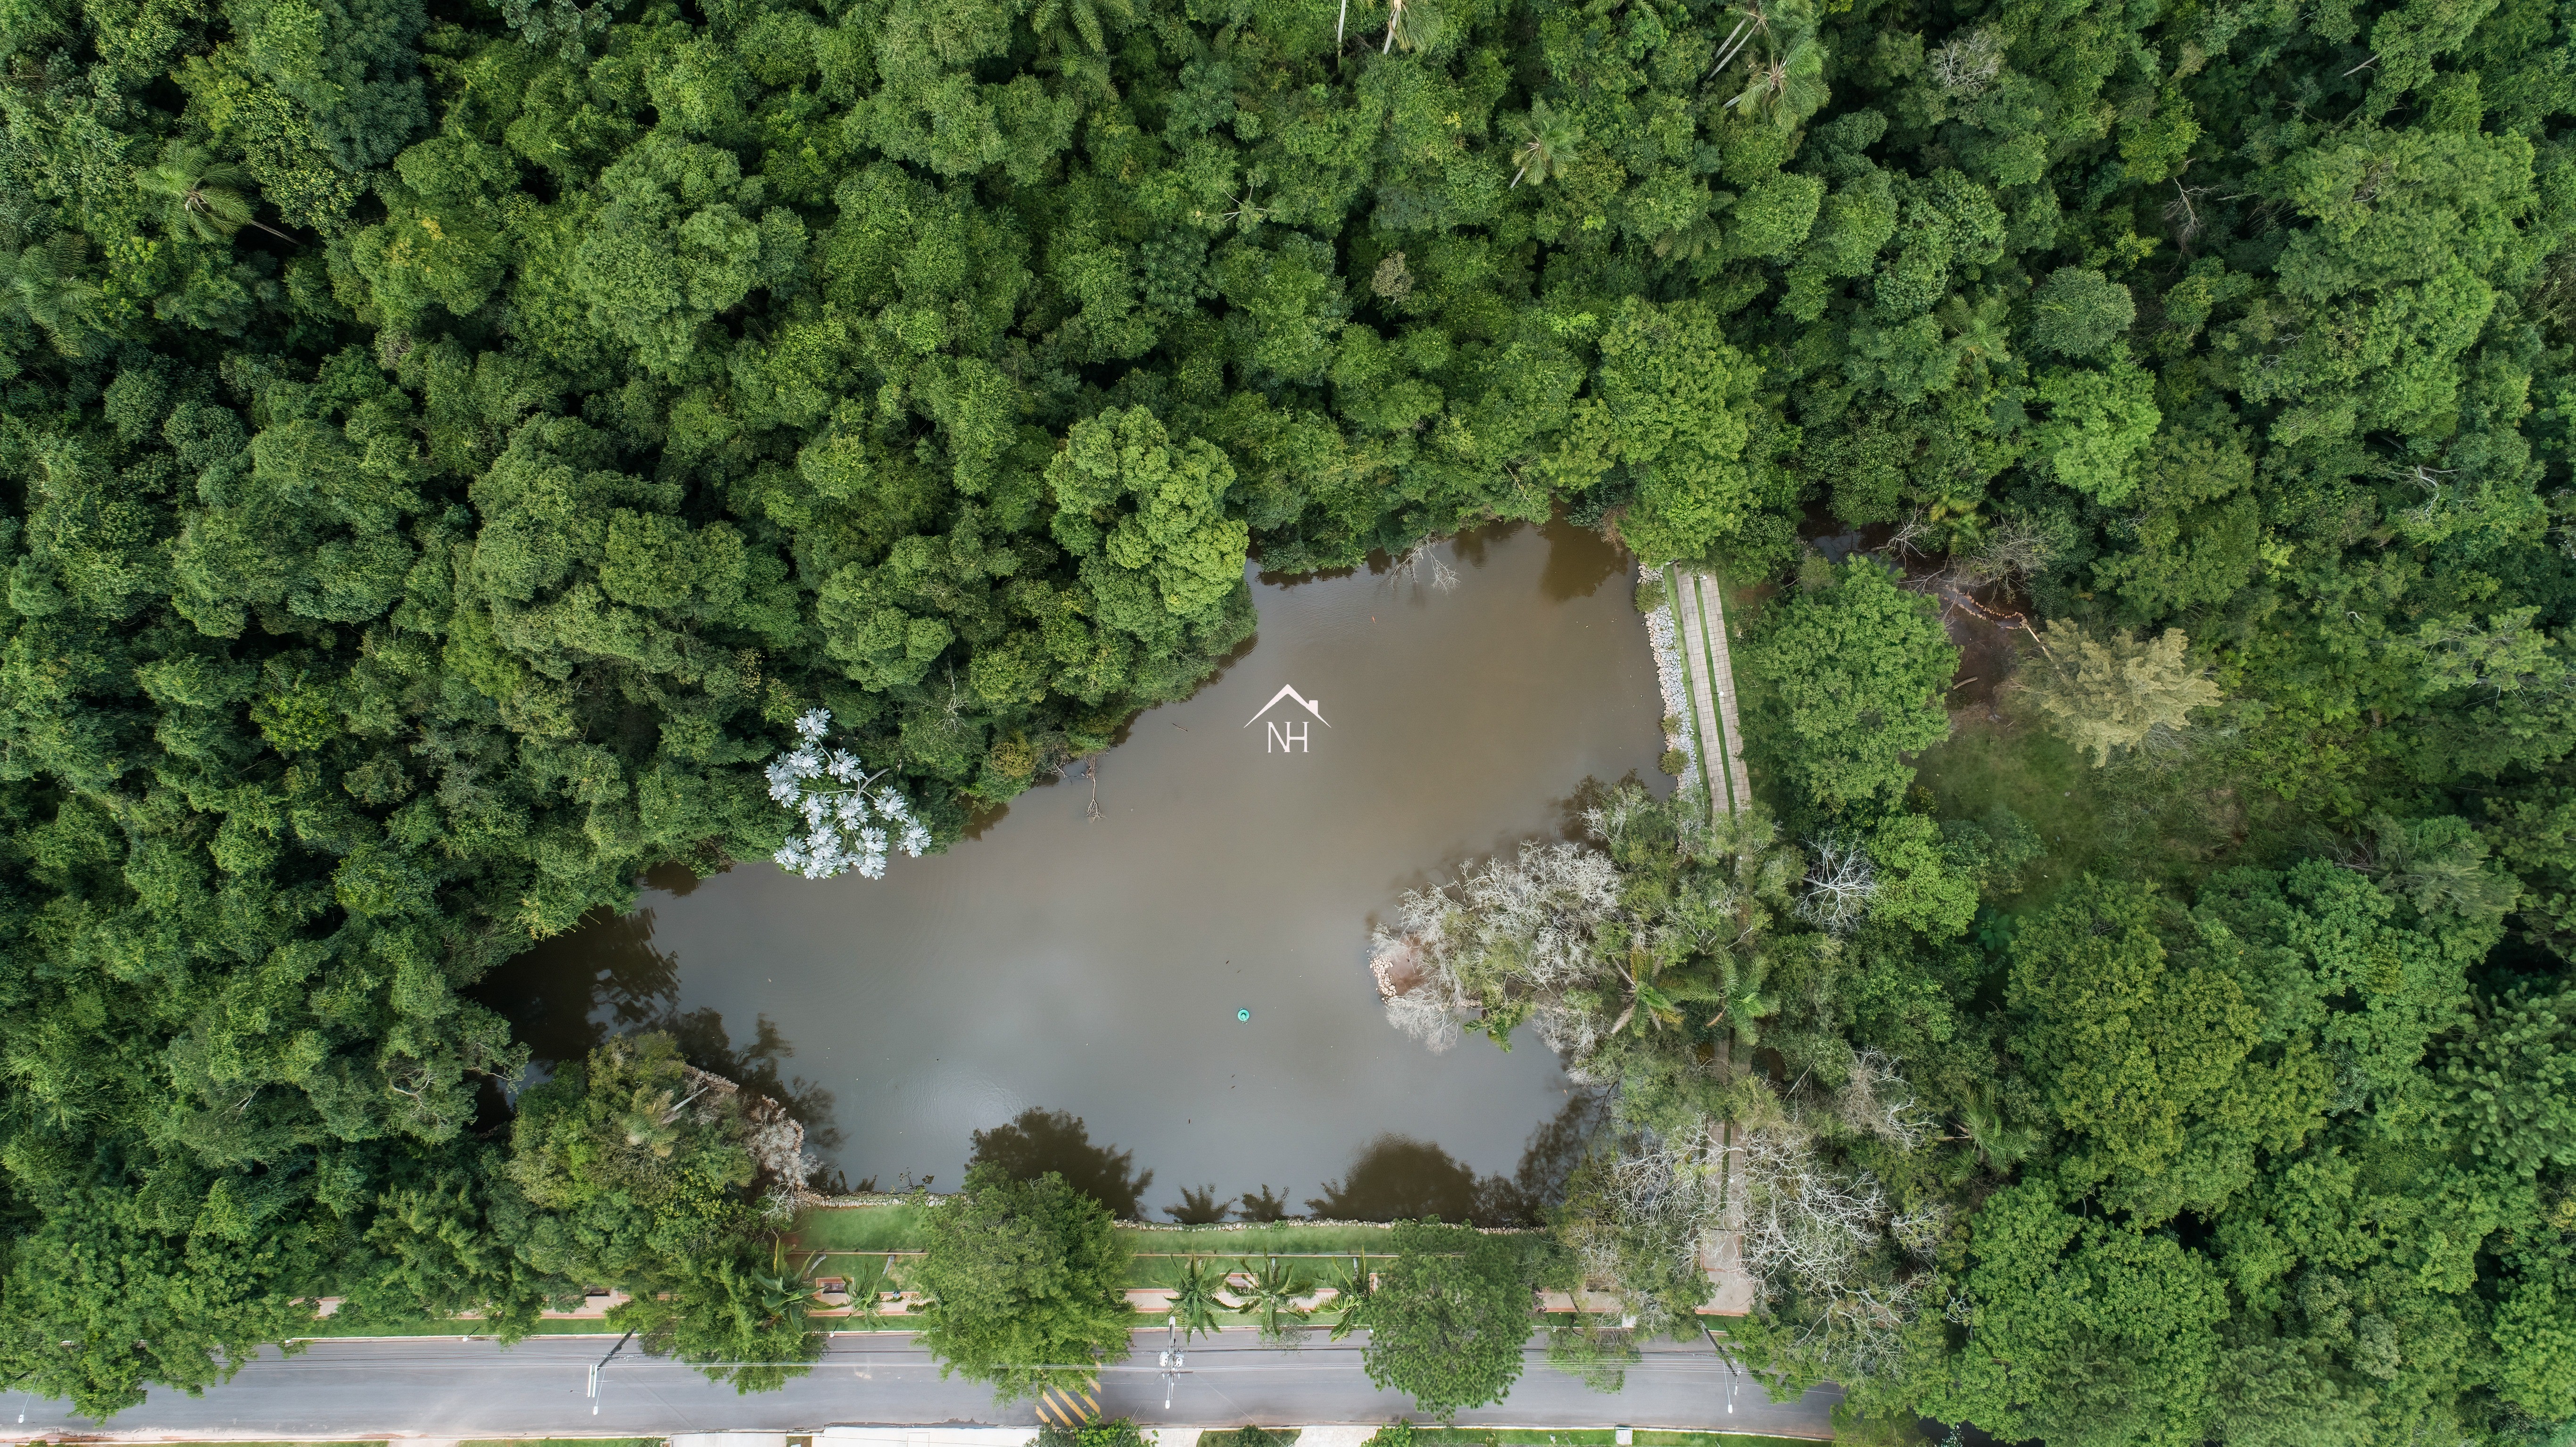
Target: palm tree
{"x":1074,"y":29}
{"x":204,"y":194}
{"x":1197,"y":1208}
{"x":1740,"y":987}
{"x":1271,"y":1300}
{"x":1194,"y":1302}
{"x":1262,"y":1205}
{"x":1790,"y":84}
{"x":43,"y":285}
{"x":1999,"y":1142}
{"x":865,"y":1289}
{"x":1413,"y":24}
{"x":785,"y":1292}
{"x":651,"y":1121}
{"x":1547,"y":144}
{"x":1650,"y":1007}
{"x":1351,"y":1292}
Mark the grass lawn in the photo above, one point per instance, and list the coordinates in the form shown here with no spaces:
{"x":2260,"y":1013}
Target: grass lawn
{"x":1280,"y":1238}
{"x":2037,"y":776}
{"x":1596,"y":1437}
{"x":332,"y":1326}
{"x":897,"y":1227}
{"x":2140,"y":817}
{"x":891,"y":1227}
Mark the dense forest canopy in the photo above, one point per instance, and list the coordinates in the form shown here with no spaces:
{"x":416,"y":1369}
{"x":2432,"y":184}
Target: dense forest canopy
{"x":446,"y":447}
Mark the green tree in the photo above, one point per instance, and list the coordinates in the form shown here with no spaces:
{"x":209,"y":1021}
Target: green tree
{"x":2152,"y":1065}
{"x":1025,"y":1280}
{"x":2108,"y":692}
{"x":1449,"y":1317}
{"x":742,"y":1315}
{"x":2081,"y":1331}
{"x":1853,"y":674}
{"x":1175,"y":533}
{"x":2080,"y":314}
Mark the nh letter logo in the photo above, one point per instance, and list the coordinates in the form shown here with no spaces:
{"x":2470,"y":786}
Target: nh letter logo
{"x":1290,"y":737}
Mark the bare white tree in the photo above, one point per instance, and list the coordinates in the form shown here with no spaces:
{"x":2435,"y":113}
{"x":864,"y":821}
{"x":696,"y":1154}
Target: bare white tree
{"x":1521,"y":928}
{"x":1919,"y":1230}
{"x":1806,"y":1225}
{"x":2015,"y":548}
{"x":1435,"y":1022}
{"x":1967,"y":64}
{"x":1537,"y":913}
{"x":1811,"y":1230}
{"x":1665,"y":1193}
{"x":1412,"y":562}
{"x":1840,"y":882}
{"x":1875,"y":1099}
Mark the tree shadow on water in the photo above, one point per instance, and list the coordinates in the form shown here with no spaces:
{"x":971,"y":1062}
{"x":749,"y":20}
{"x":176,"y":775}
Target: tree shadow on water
{"x":566,"y":994}
{"x":1579,"y":561}
{"x":1038,"y":1141}
{"x":1398,"y":1178}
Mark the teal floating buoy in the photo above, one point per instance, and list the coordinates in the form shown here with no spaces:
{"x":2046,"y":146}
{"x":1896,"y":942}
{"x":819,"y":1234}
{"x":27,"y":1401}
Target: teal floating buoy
{"x":1244,"y":1016}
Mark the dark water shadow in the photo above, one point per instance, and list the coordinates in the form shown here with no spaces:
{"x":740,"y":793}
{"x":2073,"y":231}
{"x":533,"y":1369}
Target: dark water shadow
{"x":680,"y":880}
{"x":1269,"y":579}
{"x":980,"y":822}
{"x":1579,"y":561}
{"x":1261,"y":1206}
{"x":1399,"y":1178}
{"x":567,"y":995}
{"x":1038,"y":1141}
{"x":1472,"y":546}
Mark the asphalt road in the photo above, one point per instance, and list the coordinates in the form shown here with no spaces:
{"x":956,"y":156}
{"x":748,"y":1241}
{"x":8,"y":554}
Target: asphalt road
{"x":445,"y":1387}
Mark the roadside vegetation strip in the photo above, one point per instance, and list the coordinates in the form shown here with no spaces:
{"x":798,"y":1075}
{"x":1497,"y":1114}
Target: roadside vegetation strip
{"x":329,"y":1328}
{"x":898,"y":1226}
{"x":465,"y":1443}
{"x":1591,"y":1437}
{"x":1262,"y":1437}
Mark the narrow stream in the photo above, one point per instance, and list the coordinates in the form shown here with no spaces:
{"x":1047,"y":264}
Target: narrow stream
{"x":1097,"y":966}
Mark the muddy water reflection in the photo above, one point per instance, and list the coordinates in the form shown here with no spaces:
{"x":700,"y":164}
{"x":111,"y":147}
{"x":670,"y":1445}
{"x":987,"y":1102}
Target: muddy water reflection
{"x":1095,"y":967}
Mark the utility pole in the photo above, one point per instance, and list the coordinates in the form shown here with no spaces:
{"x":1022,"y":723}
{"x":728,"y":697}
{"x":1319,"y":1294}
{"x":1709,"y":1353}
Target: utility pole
{"x":1731,"y":1369}
{"x":1173,"y":1360}
{"x":602,"y":1363}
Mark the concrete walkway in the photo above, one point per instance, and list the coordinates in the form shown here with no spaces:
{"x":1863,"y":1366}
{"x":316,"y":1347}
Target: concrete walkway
{"x":1699,"y":620}
{"x":1701,"y":636}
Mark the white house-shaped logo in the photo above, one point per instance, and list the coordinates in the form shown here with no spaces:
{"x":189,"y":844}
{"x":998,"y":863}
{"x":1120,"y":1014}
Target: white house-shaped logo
{"x":1290,"y":737}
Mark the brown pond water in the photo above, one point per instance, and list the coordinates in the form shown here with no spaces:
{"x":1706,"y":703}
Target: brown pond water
{"x":1096,"y":966}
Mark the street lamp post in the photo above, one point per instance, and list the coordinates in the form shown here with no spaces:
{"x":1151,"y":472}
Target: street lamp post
{"x":597,"y":1366}
{"x":1173,"y":1360}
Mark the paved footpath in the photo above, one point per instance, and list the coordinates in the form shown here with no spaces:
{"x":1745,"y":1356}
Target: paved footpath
{"x":1699,"y":620}
{"x":442,"y":1387}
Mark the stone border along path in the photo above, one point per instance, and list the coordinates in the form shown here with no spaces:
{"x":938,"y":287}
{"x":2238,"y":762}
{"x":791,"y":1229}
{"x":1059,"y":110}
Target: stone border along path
{"x":1698,"y":601}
